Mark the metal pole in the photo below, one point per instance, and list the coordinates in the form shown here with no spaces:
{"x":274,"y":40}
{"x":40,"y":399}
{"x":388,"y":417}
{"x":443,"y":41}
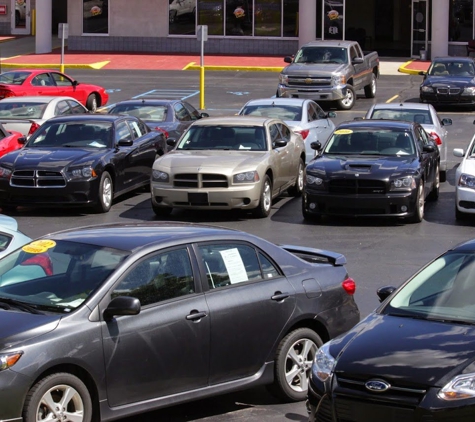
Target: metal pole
{"x":202,"y":75}
{"x":62,"y":48}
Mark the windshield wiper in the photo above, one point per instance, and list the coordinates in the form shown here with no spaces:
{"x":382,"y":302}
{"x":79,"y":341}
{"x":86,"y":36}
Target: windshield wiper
{"x":20,"y":305}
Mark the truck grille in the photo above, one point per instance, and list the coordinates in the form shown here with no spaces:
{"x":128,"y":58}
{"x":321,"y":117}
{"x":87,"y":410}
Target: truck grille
{"x":309,"y":81}
{"x":357,"y":186}
{"x":198,"y":180}
{"x":37,"y":179}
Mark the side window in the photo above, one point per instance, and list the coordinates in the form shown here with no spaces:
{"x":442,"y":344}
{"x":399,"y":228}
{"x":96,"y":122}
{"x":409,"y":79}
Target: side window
{"x":61,"y":80}
{"x":182,"y":113}
{"x":311,"y":115}
{"x":76,"y":108}
{"x":320,"y":113}
{"x":195,"y":115}
{"x":62,"y":108}
{"x":274,"y":134}
{"x":424,"y":136}
{"x":285,"y":131}
{"x":230,"y":263}
{"x":268,"y":268}
{"x":143,"y":127}
{"x":161,"y":277}
{"x":43,"y":79}
{"x":134,"y":127}
{"x":353,"y":53}
{"x":122,"y":132}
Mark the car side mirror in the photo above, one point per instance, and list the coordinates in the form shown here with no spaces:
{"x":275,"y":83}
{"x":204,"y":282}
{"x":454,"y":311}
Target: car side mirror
{"x":171,"y":142}
{"x":331,"y":114}
{"x":125,"y":143}
{"x":384,"y":292}
{"x":459,"y":152}
{"x":316,"y":145}
{"x":122,"y":305}
{"x":357,"y":60}
{"x":75,"y":83}
{"x":22,"y":140}
{"x":288,"y":59}
{"x":446,"y":122}
{"x":204,"y":115}
{"x":279,"y":143}
{"x":429,"y":148}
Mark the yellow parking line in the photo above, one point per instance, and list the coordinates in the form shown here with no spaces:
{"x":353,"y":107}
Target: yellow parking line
{"x":392,"y":98}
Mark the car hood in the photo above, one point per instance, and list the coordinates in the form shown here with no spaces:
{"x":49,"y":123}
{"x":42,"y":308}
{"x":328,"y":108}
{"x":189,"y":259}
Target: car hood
{"x":51,"y":158}
{"x":338,"y":165}
{"x":405,"y":350}
{"x":16,"y":327}
{"x":222,"y":161}
{"x":449,"y":81}
{"x":313,"y":69}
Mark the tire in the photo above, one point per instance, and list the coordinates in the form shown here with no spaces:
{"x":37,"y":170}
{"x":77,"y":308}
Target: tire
{"x":434,"y":194}
{"x":53,"y":389}
{"x":442,"y":176}
{"x":297,"y":189}
{"x":348,"y":102}
{"x":105,"y":193}
{"x":419,"y":205}
{"x":370,"y":90}
{"x":265,"y":202}
{"x":91,"y":103}
{"x":294,"y":356}
{"x":161,"y":211}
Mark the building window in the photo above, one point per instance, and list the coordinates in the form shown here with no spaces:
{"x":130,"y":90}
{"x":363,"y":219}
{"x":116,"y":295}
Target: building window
{"x":95,"y":18}
{"x":181,"y":17}
{"x":461,"y":20}
{"x":268,"y":18}
{"x":211,"y":12}
{"x":239,"y":17}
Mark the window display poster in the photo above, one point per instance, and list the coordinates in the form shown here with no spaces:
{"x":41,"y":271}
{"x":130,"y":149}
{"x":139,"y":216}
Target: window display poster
{"x":333,"y":20}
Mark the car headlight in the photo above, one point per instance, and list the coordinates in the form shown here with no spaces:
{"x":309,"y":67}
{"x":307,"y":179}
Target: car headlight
{"x":460,"y":387}
{"x":427,"y":88}
{"x":283,"y":79}
{"x":324,"y":363}
{"x":313,"y":180}
{"x":338,"y":80}
{"x":469,"y":90}
{"x":467,"y":181}
{"x":160,"y":176}
{"x":246,"y":177}
{"x":5,"y":173}
{"x":83,"y":173}
{"x":7,"y":360}
{"x":405,"y":183}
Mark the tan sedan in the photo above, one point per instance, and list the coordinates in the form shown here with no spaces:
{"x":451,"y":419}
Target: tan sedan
{"x":237,"y":162}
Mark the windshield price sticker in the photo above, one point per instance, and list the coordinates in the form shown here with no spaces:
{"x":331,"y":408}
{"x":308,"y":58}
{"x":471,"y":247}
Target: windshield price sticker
{"x":343,"y":132}
{"x":39,"y":246}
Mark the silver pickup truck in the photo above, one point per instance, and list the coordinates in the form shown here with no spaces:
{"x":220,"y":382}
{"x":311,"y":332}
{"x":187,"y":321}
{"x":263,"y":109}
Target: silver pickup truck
{"x":330,"y":70}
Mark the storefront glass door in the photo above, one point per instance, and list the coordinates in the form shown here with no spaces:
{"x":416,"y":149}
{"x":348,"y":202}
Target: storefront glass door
{"x":420,"y":27}
{"x":20,"y":17}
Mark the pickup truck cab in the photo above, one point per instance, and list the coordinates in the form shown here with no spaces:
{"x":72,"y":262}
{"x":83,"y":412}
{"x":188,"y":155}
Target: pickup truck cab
{"x":330,"y":70}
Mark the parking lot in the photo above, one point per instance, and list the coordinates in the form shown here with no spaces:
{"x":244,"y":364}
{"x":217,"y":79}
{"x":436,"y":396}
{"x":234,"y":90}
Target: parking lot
{"x":379,"y":251}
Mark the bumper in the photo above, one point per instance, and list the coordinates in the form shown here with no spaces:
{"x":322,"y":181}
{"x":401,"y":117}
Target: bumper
{"x":317,"y":94}
{"x":74,"y":193}
{"x":13,"y":390}
{"x":400,"y":204}
{"x":342,"y":404}
{"x":465,"y":200}
{"x":462,"y":100}
{"x":234,"y":197}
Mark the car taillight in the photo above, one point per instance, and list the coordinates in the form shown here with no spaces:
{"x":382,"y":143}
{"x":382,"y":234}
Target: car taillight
{"x":349,"y":286}
{"x":436,"y":138}
{"x":33,"y":128}
{"x":304,"y":133}
{"x":159,"y":129}
{"x":6,"y":94}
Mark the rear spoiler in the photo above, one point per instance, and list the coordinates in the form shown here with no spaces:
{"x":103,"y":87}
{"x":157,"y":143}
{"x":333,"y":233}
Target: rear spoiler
{"x":15,"y":120}
{"x":316,"y":255}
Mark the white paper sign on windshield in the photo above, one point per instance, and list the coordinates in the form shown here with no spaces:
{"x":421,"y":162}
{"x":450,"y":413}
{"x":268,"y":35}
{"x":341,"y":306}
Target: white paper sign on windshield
{"x":234,"y":265}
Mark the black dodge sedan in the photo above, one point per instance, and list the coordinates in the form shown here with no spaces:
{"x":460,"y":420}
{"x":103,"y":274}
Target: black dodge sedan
{"x":85,"y":160}
{"x":372,"y":168}
{"x":103,"y":322}
{"x":412,"y":359}
{"x":449,"y":80}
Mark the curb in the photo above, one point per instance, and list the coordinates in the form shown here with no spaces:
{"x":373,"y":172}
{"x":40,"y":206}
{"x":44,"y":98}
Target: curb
{"x":193,"y":66}
{"x":98,"y":65}
{"x":404,"y":69}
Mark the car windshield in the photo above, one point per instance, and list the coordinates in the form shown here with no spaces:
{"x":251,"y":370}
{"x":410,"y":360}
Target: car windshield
{"x":155,"y":113}
{"x":250,"y":138}
{"x":284,"y":112}
{"x":443,"y":290}
{"x":29,"y":110}
{"x":75,"y":134}
{"x":321,"y":55}
{"x":13,"y":78}
{"x":418,"y":116}
{"x":56,"y":275}
{"x":452,"y":68}
{"x":370,"y":141}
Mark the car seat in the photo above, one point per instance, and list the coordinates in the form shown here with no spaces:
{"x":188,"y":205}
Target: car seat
{"x":404,"y":143}
{"x":439,"y":70}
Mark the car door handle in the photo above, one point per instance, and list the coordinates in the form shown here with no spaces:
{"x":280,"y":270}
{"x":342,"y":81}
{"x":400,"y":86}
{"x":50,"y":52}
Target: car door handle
{"x":195,"y":316}
{"x":278,"y":296}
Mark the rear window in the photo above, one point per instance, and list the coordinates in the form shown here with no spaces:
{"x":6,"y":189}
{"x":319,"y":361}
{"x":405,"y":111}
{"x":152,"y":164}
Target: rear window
{"x":144,"y":112}
{"x":22,"y":109}
{"x":418,"y":116}
{"x":13,"y":78}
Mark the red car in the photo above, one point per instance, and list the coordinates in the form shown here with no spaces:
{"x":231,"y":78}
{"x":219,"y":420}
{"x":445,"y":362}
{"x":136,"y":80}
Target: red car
{"x":9,"y":140}
{"x":21,"y":82}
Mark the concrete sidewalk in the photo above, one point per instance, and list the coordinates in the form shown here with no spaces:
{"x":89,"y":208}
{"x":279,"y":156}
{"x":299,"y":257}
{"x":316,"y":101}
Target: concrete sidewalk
{"x":19,"y":52}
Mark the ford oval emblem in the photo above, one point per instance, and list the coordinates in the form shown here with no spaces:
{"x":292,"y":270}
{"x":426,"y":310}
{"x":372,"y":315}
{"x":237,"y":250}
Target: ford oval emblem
{"x":377,"y":386}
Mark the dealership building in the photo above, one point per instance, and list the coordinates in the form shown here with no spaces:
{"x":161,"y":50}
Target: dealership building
{"x":402,"y":28}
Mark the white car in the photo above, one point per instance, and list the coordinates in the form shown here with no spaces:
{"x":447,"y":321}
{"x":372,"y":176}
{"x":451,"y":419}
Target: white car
{"x":426,"y":115}
{"x":26,"y":114}
{"x":10,"y":237}
{"x":304,"y":116}
{"x":465,"y":181}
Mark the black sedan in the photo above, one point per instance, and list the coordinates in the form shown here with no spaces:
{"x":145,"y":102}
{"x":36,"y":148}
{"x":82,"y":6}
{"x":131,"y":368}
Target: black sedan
{"x":412,"y":359}
{"x":449,"y":80}
{"x":170,"y":116}
{"x":85,"y":160}
{"x":373,"y":168}
{"x":103,"y":322}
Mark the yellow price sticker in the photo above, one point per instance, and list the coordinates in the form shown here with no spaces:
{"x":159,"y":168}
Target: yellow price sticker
{"x":39,"y":246}
{"x":343,"y":132}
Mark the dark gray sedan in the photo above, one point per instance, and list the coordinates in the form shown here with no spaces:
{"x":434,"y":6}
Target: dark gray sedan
{"x":103,"y":322}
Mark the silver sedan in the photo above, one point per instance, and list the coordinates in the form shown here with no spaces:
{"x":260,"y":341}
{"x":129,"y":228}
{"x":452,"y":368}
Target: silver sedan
{"x":426,"y":115}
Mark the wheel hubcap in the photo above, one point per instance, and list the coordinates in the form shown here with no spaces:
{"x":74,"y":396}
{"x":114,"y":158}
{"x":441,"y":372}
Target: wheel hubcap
{"x":349,"y":98}
{"x":107,"y":192}
{"x":60,"y":403}
{"x":266,"y":197}
{"x":300,"y":179}
{"x":298,"y":364}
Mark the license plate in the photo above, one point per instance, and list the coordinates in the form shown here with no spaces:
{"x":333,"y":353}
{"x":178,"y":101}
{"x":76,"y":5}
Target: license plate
{"x":198,"y":198}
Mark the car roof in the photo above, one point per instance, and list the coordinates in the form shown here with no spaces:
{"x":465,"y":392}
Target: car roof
{"x":132,"y":236}
{"x":286,"y":101}
{"x":376,"y":123}
{"x":414,"y":106}
{"x":329,"y":43}
{"x":90,"y":117}
{"x":452,"y":58}
{"x":234,"y":120}
{"x":466,"y":246}
{"x":43,"y":99}
{"x":148,"y":100}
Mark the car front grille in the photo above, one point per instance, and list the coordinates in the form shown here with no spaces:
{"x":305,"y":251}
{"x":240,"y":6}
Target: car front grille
{"x":309,"y":81}
{"x":37,"y":179}
{"x":448,"y":91}
{"x":198,"y":180}
{"x":357,"y":187}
